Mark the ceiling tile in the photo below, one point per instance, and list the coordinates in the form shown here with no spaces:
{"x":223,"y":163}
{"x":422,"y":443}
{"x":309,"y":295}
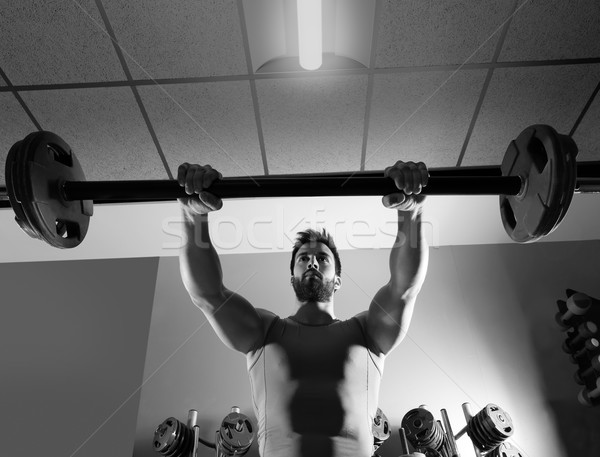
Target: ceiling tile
{"x":178,"y":38}
{"x":14,"y":126}
{"x":55,"y":42}
{"x":553,"y":29}
{"x":421,"y":117}
{"x":519,"y":97}
{"x":414,"y":33}
{"x":587,"y":135}
{"x":104,"y":128}
{"x":313,"y":124}
{"x":210,"y":123}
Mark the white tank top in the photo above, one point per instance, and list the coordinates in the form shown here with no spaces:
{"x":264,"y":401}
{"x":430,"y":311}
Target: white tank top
{"x":315,"y":389}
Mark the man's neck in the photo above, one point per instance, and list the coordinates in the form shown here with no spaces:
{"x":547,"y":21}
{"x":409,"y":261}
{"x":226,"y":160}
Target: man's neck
{"x":315,"y":313}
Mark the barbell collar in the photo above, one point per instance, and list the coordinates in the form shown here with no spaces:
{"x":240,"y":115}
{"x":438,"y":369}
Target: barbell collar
{"x":298,"y":186}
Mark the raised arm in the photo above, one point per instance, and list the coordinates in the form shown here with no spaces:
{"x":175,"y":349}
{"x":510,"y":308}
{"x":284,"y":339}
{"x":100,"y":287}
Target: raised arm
{"x":390,"y":311}
{"x":237,"y":323}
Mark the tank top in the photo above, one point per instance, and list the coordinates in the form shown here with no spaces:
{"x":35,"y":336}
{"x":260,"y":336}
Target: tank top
{"x":315,"y":389}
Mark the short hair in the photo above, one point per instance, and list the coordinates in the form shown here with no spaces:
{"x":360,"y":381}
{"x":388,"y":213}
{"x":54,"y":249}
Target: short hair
{"x":314,"y":236}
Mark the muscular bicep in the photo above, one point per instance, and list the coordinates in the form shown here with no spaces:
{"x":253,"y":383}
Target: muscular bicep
{"x":388,"y":318}
{"x":236,"y":322}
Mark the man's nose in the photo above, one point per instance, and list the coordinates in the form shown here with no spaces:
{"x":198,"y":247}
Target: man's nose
{"x":312,"y":263}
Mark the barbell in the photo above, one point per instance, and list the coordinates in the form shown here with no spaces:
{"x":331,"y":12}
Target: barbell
{"x":52,"y":201}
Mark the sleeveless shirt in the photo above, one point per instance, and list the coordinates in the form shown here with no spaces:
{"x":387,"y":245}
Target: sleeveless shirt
{"x":315,"y":389}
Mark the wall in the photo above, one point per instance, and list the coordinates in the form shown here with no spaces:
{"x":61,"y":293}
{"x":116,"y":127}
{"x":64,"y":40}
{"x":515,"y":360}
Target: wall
{"x":73,"y":338}
{"x":483,"y":332}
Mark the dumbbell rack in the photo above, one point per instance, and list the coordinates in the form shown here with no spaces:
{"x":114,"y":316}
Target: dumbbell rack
{"x":579,"y":317}
{"x":488,"y":431}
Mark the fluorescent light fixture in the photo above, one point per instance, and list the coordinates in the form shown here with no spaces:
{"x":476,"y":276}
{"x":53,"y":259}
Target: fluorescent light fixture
{"x":310,"y":34}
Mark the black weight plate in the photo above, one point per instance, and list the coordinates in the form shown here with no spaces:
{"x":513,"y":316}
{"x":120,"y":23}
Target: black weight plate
{"x":570,"y":149}
{"x":49,"y":163}
{"x":421,"y":429}
{"x":537,"y":157}
{"x":566,"y":153}
{"x":13,"y":179}
{"x":164,"y":435}
{"x":525,"y":217}
{"x":499,"y":422}
{"x":233,"y":437}
{"x":479,"y":434}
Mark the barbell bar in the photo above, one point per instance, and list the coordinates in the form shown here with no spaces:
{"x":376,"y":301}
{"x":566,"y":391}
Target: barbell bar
{"x":465,"y":181}
{"x":52,"y":201}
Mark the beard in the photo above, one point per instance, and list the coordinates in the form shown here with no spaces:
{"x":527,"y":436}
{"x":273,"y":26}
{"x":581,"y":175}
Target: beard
{"x":313,"y":290}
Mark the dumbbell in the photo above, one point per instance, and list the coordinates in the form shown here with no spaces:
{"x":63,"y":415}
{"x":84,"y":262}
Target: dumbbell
{"x":577,"y":305}
{"x":590,"y":397}
{"x":576,"y":339}
{"x":591,"y":346}
{"x":592,"y":369}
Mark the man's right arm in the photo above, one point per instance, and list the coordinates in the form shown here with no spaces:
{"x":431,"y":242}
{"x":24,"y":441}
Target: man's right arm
{"x":237,"y":323}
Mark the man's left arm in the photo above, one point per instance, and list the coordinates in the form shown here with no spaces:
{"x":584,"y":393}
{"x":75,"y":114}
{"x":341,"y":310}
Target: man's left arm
{"x":391,"y":309}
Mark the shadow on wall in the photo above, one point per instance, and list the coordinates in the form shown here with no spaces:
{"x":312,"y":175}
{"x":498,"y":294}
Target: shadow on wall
{"x":542,"y":277}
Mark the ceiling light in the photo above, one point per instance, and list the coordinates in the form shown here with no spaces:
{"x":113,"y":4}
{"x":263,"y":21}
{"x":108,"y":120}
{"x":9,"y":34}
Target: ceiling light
{"x":281,"y":34}
{"x":310,"y":34}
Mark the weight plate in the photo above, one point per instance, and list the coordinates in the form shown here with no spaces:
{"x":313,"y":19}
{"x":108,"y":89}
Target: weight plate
{"x":571,"y":151}
{"x":13,"y":180}
{"x":499,"y":421}
{"x":490,"y":427}
{"x":381,"y":426}
{"x":506,"y":450}
{"x":236,"y":431}
{"x":164,"y":435}
{"x":45,"y":161}
{"x":568,"y":154}
{"x":421,"y":429}
{"x":545,"y":161}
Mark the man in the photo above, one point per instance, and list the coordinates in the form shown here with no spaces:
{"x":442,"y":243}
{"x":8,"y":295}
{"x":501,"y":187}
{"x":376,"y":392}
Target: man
{"x":314,"y":379}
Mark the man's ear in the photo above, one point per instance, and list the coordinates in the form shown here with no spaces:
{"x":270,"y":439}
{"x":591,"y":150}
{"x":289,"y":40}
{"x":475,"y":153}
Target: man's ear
{"x":337,"y":282}
{"x":292,"y":280}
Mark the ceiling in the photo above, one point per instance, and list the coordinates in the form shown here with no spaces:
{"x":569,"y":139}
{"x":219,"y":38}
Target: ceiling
{"x":136,"y":87}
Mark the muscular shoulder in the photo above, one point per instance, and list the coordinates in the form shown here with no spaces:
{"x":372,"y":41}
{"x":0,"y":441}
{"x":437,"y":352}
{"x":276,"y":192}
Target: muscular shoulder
{"x":266,"y":315}
{"x":362,"y":319}
{"x":268,"y":318}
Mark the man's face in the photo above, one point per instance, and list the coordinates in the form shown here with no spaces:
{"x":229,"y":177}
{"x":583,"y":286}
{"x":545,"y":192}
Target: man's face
{"x":314,"y":273}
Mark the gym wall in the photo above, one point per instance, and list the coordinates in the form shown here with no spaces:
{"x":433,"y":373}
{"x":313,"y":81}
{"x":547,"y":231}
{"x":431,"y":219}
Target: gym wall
{"x":73,"y":339}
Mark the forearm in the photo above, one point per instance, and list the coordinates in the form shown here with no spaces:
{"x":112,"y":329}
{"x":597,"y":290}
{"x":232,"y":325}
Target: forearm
{"x":409,"y":256}
{"x":199,"y":262}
